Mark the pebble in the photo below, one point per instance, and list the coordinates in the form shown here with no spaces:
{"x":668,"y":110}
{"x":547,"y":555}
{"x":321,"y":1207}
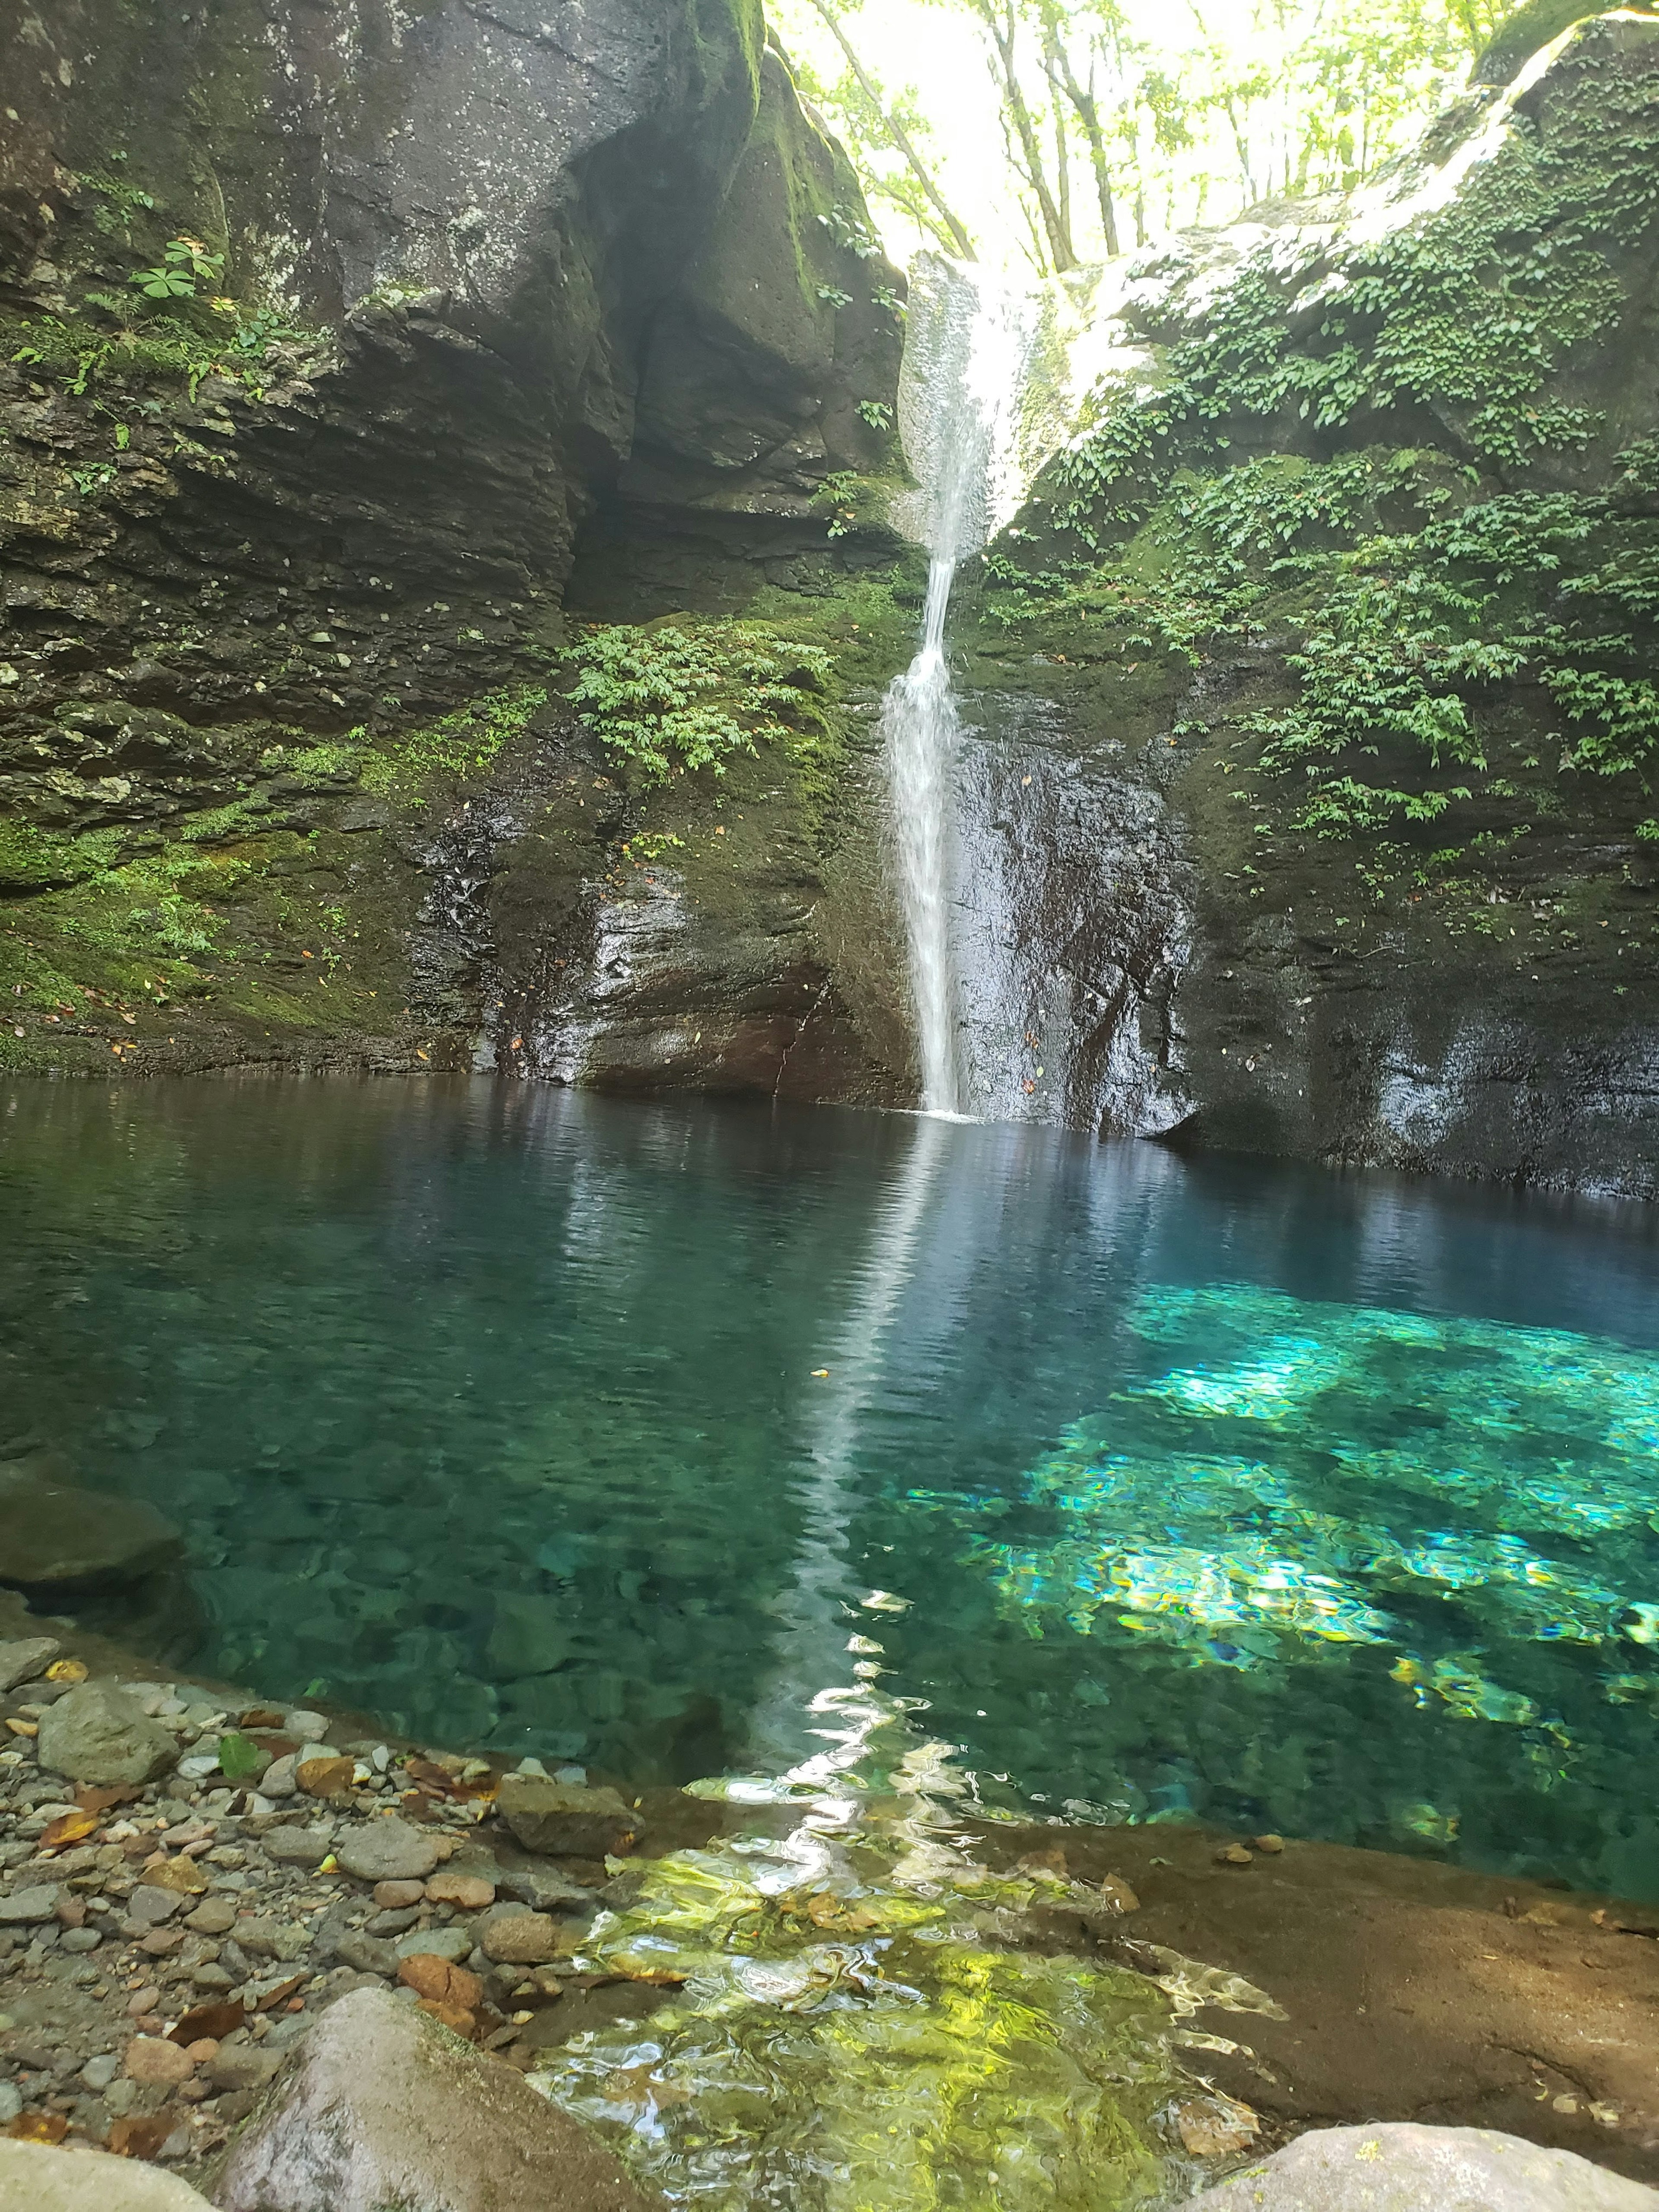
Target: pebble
{"x":325,"y":1777}
{"x":367,"y":1955}
{"x":214,"y":1916}
{"x":80,"y":1939}
{"x":309,"y":1727}
{"x":278,"y":1778}
{"x":394,"y":1923}
{"x":452,"y":1944}
{"x":11,"y":2104}
{"x":1234,"y":1855}
{"x":387,"y":1850}
{"x":97,"y":2073}
{"x":24,"y":1906}
{"x":154,"y":2062}
{"x":149,"y":1905}
{"x":305,"y":1847}
{"x":143,"y":2001}
{"x":521,"y":1939}
{"x":394,"y":1896}
{"x":1271,"y":1844}
{"x":466,"y":1893}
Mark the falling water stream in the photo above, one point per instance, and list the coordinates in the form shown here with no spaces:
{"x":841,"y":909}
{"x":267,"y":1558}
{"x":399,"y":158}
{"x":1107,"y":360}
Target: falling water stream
{"x":967,"y":360}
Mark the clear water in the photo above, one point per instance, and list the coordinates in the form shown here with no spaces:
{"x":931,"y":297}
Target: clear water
{"x":1166,"y":1489}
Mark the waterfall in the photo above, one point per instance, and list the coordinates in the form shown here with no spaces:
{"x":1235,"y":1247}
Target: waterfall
{"x":967,"y":360}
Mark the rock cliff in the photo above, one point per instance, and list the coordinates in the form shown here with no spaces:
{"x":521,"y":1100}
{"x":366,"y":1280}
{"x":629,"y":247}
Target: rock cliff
{"x":325,"y":338}
{"x":526,"y":375}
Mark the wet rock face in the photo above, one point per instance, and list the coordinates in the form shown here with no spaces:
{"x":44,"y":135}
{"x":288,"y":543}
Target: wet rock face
{"x":531,"y":249}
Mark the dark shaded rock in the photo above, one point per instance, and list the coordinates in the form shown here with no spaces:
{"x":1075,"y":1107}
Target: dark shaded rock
{"x":55,"y":1535}
{"x":384,"y":2106}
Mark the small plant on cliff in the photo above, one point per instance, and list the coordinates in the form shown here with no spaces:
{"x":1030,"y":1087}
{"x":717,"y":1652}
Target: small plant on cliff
{"x":686,"y":695}
{"x":185,"y":264}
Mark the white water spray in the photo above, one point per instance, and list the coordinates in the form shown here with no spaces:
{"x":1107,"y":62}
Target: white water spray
{"x":967,"y":359}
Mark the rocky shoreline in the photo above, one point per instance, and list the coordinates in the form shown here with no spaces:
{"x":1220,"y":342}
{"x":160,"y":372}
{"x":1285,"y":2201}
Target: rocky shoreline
{"x":299,"y":1964}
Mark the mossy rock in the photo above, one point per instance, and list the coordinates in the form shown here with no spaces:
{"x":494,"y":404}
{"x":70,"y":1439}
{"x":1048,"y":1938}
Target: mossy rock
{"x":1530,"y":27}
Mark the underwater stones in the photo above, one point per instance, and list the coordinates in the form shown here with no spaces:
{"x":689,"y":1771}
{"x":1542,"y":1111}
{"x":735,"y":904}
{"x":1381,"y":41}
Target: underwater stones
{"x":452,"y":1944}
{"x":155,"y":2062}
{"x":24,"y":1662}
{"x":100,"y":1734}
{"x":150,"y":1905}
{"x":383,"y":2106}
{"x":214,"y":1916}
{"x":562,"y":1819}
{"x":530,"y":1636}
{"x":467,"y":1893}
{"x":521,"y":1938}
{"x":58,"y":1535}
{"x":1403,"y":2166}
{"x":545,"y":1889}
{"x":389,"y":1850}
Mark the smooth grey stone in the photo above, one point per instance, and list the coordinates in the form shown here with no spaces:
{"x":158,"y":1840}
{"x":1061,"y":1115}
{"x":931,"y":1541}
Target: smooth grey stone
{"x":1404,"y":2166}
{"x":21,"y":1907}
{"x":382,"y":2106}
{"x":388,"y":1850}
{"x":100,"y":1734}
{"x":452,"y":1943}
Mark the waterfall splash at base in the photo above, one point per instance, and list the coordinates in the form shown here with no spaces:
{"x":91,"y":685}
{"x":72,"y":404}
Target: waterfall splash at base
{"x":967,"y":360}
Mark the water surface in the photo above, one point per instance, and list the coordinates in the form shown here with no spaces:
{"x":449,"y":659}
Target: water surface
{"x":1164,"y":1488}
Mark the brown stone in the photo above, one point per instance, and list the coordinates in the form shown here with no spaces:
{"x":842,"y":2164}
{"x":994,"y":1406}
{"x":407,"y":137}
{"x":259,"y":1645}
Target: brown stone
{"x":457,"y":2022}
{"x":325,"y":1777}
{"x":521,"y":1939}
{"x":466,"y":1893}
{"x":181,"y":1875}
{"x":441,"y":1981}
{"x":398,"y":1896}
{"x":210,"y":2022}
{"x":155,"y":2063}
{"x":561,"y":1820}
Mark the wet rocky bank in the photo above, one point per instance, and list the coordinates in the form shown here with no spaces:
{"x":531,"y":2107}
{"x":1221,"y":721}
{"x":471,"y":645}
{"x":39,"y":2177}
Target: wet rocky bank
{"x":192,"y":1883}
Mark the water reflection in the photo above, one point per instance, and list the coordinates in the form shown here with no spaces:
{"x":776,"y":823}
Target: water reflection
{"x":1200,"y":1488}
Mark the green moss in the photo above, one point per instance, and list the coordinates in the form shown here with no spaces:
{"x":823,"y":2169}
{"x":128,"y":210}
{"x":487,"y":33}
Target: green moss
{"x":684,"y":696}
{"x":1535,"y":25}
{"x":459,"y":745}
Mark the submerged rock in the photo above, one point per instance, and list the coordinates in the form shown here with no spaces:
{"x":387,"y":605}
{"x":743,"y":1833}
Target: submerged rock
{"x":100,"y":1734}
{"x":35,"y":2179}
{"x":563,"y":1819}
{"x":57,"y":1535}
{"x":1405,"y":2168}
{"x":384,"y":2106}
{"x":389,"y":1850}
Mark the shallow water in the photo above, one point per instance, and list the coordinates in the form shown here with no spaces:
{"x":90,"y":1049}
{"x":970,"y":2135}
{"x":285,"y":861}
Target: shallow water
{"x":1164,"y":1488}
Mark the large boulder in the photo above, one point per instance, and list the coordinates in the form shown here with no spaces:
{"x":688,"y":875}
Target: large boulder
{"x":383,"y":2108}
{"x":100,"y":1734}
{"x":35,"y":2179}
{"x":1404,"y":2167}
{"x":55,"y":1535}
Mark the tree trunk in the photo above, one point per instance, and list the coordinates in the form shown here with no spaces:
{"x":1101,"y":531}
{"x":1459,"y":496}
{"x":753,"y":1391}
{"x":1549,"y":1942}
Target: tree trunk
{"x":901,"y":138}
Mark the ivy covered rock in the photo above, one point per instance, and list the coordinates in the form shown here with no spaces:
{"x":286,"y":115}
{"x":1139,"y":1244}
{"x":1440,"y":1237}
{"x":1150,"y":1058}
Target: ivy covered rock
{"x":1353,"y":558}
